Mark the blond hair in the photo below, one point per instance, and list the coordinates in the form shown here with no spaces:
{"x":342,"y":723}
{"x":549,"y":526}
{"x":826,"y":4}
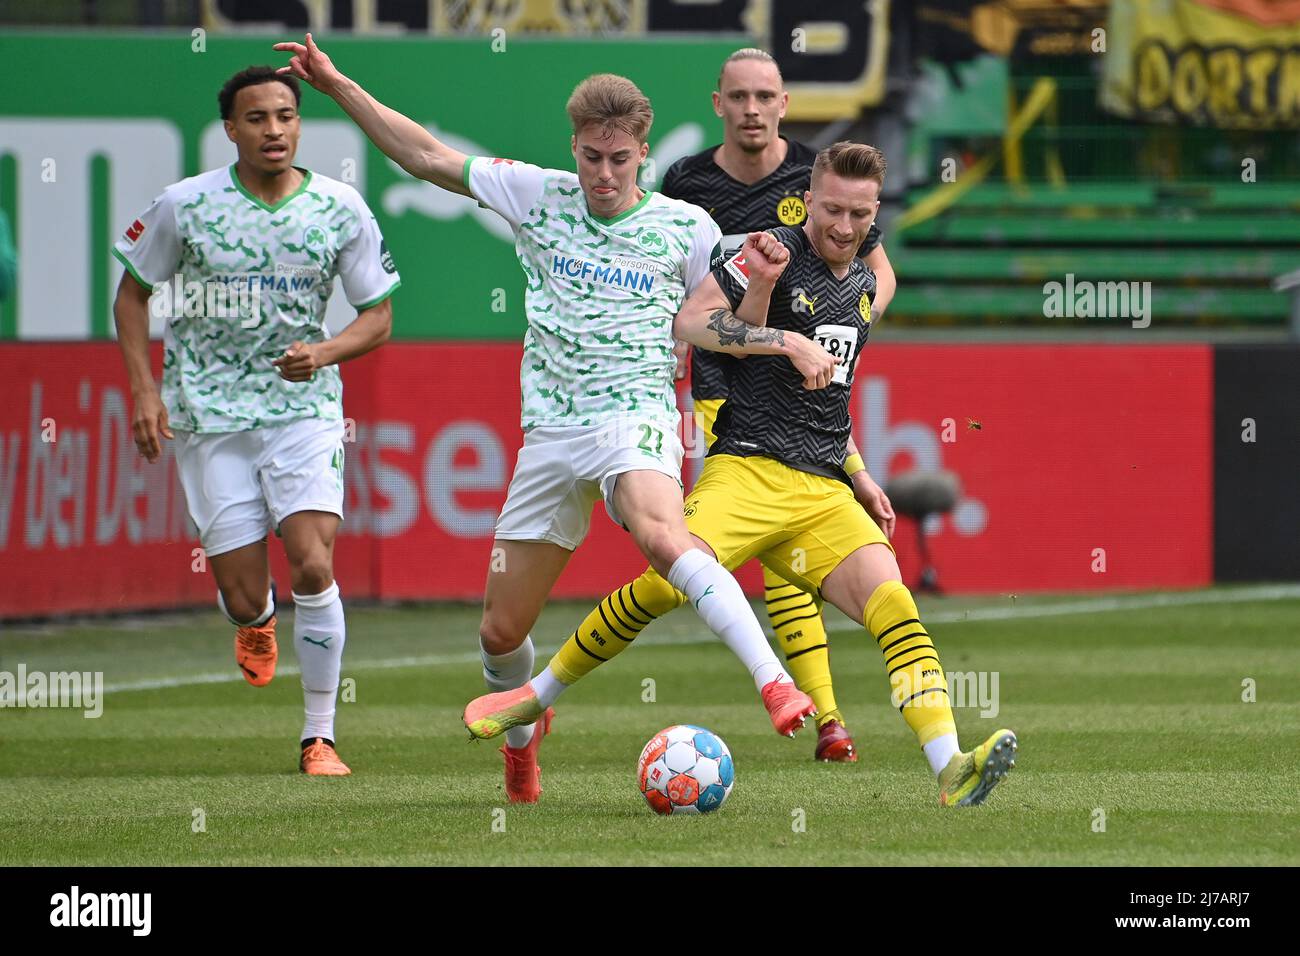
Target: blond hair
{"x":612,"y":102}
{"x":749,"y":53}
{"x":852,"y":161}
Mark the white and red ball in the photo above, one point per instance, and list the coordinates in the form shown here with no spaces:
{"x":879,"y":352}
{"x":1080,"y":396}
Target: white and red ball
{"x":685,"y":769}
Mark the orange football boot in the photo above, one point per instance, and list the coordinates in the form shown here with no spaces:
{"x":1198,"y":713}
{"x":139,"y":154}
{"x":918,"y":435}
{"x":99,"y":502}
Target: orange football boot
{"x":523,"y":776}
{"x":256,"y":652}
{"x":320,"y":759}
{"x":493,"y":714}
{"x":787,"y":705}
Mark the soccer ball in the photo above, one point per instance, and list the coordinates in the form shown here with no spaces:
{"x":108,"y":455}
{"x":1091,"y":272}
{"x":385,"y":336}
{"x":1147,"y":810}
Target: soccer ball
{"x":685,"y":769}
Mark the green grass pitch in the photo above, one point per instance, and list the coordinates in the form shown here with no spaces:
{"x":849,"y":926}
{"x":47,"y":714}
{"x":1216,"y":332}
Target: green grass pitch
{"x":1129,"y":707}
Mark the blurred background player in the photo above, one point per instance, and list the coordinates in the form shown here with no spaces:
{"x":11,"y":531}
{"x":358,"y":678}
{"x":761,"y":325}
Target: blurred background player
{"x":251,"y":390}
{"x":608,"y":266}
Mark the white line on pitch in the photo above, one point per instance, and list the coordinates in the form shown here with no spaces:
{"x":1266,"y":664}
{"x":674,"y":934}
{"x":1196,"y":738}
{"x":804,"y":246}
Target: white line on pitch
{"x":1135,"y":602}
{"x":233,"y":676}
{"x":1064,"y":608}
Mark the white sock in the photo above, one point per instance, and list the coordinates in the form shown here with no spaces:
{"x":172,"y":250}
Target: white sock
{"x":255,"y":622}
{"x":319,"y":634}
{"x":548,"y":687}
{"x":718,"y":599}
{"x":940,"y":751}
{"x":506,"y":672}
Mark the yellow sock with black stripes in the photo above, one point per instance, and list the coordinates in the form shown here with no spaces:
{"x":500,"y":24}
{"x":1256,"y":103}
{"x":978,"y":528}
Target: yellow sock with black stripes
{"x":917,"y":684}
{"x":796,"y":618}
{"x":613,"y":624}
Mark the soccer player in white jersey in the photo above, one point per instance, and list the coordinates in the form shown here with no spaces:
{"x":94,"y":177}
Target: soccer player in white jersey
{"x":608,"y":266}
{"x":241,"y":261}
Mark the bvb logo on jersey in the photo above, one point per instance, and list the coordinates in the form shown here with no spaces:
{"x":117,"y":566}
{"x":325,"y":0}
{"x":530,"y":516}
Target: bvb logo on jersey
{"x":864,"y":308}
{"x":791,"y":211}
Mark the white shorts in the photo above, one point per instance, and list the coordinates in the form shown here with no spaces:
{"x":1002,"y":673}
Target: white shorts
{"x":239,"y":485}
{"x":562,"y":472}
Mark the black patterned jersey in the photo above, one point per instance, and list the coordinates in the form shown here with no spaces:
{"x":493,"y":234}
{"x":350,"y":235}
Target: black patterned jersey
{"x":738,"y":209}
{"x":768,"y":411}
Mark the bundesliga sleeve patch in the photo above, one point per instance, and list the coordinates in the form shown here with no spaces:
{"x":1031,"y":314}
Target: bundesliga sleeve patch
{"x":508,"y":162}
{"x":135,"y":231}
{"x":738,"y":268}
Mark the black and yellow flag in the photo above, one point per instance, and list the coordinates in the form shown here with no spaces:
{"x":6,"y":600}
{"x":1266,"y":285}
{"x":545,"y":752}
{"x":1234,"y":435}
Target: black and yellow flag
{"x":1230,"y":64}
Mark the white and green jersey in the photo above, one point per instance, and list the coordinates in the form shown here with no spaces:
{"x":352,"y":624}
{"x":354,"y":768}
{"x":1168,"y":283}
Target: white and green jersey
{"x":207,"y":237}
{"x":601,"y":293}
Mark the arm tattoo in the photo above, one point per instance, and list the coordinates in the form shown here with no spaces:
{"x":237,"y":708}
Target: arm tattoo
{"x":734,"y":331}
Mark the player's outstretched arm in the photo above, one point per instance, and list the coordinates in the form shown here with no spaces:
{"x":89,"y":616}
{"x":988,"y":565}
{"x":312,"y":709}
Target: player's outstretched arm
{"x":400,"y":138}
{"x":131,"y":316}
{"x":369,"y":330}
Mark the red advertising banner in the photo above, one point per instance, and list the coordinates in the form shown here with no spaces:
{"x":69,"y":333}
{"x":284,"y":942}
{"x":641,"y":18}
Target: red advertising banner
{"x":1083,"y":467}
{"x":85,"y":523}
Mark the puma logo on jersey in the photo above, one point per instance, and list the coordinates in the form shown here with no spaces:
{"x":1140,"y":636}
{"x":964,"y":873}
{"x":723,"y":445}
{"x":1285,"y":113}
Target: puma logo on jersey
{"x":807,"y":303}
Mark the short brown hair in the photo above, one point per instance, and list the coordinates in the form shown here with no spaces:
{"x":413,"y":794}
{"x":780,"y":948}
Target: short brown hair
{"x":749,"y":53}
{"x":852,"y":161}
{"x":613,"y":102}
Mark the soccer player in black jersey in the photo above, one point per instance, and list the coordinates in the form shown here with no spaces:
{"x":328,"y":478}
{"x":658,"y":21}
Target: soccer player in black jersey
{"x":755,"y":180}
{"x":796,"y":303}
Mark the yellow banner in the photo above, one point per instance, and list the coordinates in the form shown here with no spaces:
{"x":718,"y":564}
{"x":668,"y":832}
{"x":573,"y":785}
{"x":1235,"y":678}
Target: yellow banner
{"x":1231,"y":64}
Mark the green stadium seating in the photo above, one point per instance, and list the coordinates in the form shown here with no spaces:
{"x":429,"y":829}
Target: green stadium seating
{"x":1210,"y":250}
{"x":1025,"y":228}
{"x":1216,"y":264}
{"x":939,"y":300}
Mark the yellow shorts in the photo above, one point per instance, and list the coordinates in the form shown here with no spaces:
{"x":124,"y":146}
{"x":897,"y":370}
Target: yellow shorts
{"x":706,"y":413}
{"x":799,"y":525}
